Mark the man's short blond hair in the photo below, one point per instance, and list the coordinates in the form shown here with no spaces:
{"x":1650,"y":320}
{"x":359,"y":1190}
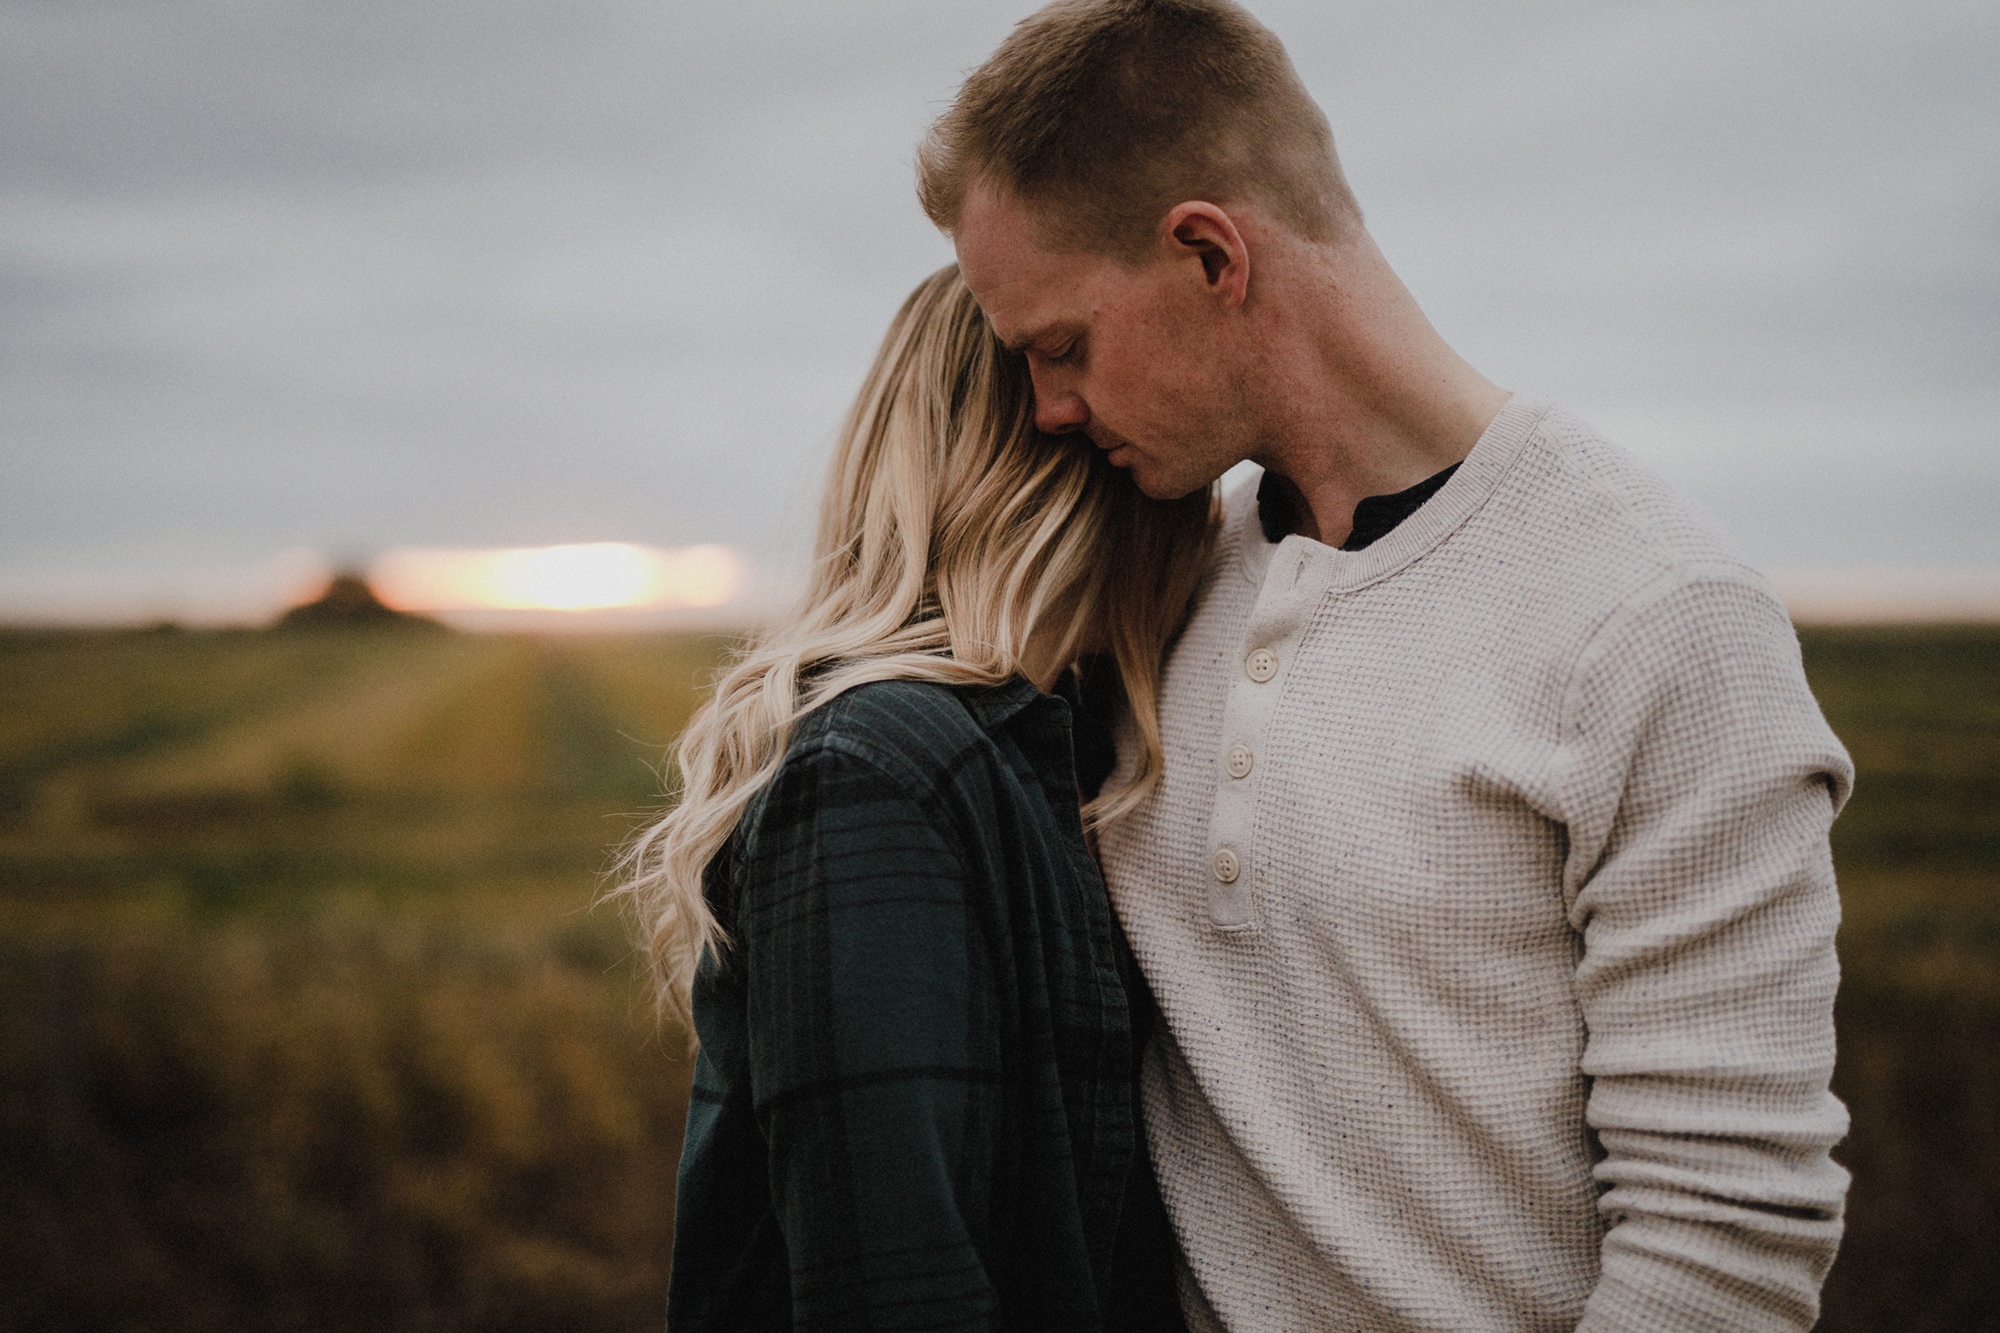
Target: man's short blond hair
{"x":1104,"y":114}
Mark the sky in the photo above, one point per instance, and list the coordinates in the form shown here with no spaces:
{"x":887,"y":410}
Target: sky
{"x":284,"y":283}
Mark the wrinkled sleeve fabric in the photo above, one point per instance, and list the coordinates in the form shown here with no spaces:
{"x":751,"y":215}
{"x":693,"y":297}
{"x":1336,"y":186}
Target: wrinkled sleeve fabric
{"x":1700,"y":881}
{"x":874,"y":1054}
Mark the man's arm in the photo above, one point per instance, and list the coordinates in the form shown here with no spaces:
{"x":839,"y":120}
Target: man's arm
{"x":874,"y":1075}
{"x":1703,"y":888}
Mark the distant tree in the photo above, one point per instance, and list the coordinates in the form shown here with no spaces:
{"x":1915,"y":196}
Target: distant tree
{"x":349,"y":603}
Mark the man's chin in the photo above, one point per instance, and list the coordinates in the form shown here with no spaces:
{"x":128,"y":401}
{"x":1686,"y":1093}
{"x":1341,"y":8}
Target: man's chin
{"x":1155,"y":487}
{"x":1146,"y":474}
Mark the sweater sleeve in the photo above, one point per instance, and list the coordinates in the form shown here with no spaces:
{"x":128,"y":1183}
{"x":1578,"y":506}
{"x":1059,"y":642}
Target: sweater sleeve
{"x":1700,"y":880}
{"x":874,"y":1066}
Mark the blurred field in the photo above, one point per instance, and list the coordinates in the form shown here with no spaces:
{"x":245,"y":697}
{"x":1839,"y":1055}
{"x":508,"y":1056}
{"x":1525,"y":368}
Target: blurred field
{"x":1918,"y":849}
{"x":307,"y":1025}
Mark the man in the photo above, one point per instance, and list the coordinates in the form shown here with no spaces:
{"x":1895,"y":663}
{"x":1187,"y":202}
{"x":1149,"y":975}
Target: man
{"x":1487,"y":894}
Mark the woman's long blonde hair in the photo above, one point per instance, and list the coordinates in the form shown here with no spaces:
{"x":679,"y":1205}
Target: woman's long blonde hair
{"x":956,"y":544}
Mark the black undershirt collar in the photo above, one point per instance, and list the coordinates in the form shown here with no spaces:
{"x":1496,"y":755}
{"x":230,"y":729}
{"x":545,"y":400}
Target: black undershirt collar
{"x":1374,"y":518}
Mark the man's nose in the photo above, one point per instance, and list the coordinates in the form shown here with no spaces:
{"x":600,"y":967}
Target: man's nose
{"x":1060,"y":412}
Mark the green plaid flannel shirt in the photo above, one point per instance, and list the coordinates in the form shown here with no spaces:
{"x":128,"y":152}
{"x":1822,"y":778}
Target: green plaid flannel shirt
{"x":914,"y":1106}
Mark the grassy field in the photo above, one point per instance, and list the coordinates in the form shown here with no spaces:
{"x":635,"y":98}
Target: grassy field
{"x":1918,"y":850}
{"x":308,"y":1025}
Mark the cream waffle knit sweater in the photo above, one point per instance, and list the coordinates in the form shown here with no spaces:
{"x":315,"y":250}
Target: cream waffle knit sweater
{"x":1488,"y":902}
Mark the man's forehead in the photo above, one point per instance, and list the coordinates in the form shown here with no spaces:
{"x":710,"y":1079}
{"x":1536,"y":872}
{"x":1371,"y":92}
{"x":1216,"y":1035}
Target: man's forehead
{"x":1021,"y":304}
{"x":1026,"y":290}
{"x":1020,"y":320}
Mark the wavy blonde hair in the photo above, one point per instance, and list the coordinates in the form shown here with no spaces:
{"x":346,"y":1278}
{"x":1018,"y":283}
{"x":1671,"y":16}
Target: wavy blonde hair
{"x":956,"y":544}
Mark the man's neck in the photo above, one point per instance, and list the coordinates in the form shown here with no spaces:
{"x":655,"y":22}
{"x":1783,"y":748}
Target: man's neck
{"x":1364,"y":397}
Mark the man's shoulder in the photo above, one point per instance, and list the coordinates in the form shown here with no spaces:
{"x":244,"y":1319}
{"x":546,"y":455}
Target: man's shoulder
{"x":1546,"y":518}
{"x":1597,"y":501}
{"x":1574,"y":511}
{"x":1557,"y":497}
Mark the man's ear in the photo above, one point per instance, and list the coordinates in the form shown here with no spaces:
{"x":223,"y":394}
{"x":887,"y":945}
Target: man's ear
{"x":1210,"y":234}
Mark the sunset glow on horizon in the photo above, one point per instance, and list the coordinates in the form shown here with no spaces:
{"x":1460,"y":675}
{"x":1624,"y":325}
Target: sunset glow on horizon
{"x":582,"y":577}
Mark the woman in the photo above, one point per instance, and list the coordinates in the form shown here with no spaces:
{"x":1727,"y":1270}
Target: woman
{"x":914,"y":1102}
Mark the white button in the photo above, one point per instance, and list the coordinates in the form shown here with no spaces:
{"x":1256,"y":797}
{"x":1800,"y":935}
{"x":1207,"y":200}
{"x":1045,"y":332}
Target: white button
{"x":1239,"y":760}
{"x":1262,"y":665}
{"x":1227,"y":868}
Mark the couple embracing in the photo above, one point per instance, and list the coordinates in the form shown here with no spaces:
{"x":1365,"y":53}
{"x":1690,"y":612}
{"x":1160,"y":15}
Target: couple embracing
{"x":1393,"y":897}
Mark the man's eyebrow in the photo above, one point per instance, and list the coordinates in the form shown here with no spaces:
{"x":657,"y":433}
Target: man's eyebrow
{"x":1022,"y":342}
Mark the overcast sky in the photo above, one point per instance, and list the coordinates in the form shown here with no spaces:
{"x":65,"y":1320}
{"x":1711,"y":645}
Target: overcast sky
{"x":349,"y":275}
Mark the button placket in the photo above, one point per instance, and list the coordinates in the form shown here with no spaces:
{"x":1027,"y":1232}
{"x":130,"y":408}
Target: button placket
{"x":1295,"y":582}
{"x":1239,"y":761}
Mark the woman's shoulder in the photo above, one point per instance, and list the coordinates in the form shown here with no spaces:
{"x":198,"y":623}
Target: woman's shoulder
{"x":902,"y":726}
{"x":872,"y":748}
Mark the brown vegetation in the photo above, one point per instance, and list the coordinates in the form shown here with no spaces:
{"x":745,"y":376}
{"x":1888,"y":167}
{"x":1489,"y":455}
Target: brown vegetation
{"x":308,"y":1025}
{"x":1918,"y":850}
{"x":348,"y":1122}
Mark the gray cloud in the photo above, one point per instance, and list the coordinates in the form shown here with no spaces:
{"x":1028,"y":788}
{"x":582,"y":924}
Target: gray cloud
{"x":355,"y":274}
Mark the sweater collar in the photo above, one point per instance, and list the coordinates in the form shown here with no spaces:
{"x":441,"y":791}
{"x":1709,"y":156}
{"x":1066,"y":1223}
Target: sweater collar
{"x":1460,"y":497}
